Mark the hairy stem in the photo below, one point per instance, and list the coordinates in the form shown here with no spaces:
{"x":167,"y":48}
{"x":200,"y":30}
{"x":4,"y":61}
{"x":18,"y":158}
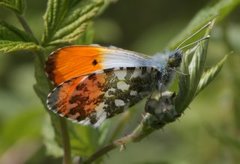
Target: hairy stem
{"x":66,"y":142}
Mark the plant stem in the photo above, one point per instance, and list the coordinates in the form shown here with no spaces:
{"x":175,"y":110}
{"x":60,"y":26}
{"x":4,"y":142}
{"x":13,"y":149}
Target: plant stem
{"x":66,"y":142}
{"x":25,"y":26}
{"x":100,"y":153}
{"x":63,"y":125}
{"x":140,"y":132}
{"x":136,"y":136}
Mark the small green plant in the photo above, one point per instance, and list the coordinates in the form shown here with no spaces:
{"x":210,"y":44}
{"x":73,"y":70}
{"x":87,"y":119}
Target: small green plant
{"x":69,"y":22}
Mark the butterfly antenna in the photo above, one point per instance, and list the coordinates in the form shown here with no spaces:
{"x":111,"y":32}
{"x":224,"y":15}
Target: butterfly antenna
{"x":197,"y":41}
{"x":195,"y":33}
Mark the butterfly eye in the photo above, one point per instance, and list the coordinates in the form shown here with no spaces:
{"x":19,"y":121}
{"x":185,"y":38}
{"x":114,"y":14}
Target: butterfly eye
{"x":175,"y":59}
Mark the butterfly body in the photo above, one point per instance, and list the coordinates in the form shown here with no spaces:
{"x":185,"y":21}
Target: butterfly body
{"x":94,"y":83}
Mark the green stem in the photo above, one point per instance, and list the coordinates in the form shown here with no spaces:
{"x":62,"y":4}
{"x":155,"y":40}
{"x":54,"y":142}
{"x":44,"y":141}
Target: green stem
{"x":66,"y":142}
{"x":63,"y":125}
{"x":25,"y":26}
{"x":100,"y":153}
{"x":140,"y":132}
{"x":136,"y":136}
{"x":62,"y":122}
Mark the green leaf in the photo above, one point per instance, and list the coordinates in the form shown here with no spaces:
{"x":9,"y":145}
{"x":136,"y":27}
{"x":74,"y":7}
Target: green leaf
{"x":192,"y":69}
{"x":184,"y":79}
{"x":13,"y":40}
{"x":84,"y":139}
{"x":196,"y":67}
{"x":218,"y":10}
{"x":15,"y":5}
{"x":10,"y":46}
{"x":189,"y":82}
{"x":210,"y":74}
{"x":104,"y":130}
{"x":11,"y":33}
{"x":66,"y":20}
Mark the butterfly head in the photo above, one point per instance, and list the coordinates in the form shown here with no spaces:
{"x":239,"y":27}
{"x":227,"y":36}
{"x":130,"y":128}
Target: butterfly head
{"x":175,"y":59}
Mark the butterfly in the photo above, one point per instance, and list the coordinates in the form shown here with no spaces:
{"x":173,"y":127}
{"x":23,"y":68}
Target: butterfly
{"x":93,"y":83}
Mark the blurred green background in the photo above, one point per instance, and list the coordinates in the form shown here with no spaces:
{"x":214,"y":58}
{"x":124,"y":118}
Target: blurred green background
{"x":209,"y":130}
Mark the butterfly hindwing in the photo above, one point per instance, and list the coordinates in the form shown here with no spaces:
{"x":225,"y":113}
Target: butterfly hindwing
{"x":102,"y":94}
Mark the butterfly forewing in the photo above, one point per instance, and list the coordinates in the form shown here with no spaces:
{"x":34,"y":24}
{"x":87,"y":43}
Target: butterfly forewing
{"x":93,"y":98}
{"x":72,"y":61}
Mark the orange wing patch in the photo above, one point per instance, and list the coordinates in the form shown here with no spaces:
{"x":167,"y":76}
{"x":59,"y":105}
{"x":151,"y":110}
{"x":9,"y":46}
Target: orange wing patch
{"x":77,"y":99}
{"x":73,"y":61}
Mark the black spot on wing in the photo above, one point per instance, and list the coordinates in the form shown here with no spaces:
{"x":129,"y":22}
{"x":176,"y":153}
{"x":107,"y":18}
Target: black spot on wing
{"x":94,"y":62}
{"x":130,"y":71}
{"x":144,"y":70}
{"x":131,"y":68}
